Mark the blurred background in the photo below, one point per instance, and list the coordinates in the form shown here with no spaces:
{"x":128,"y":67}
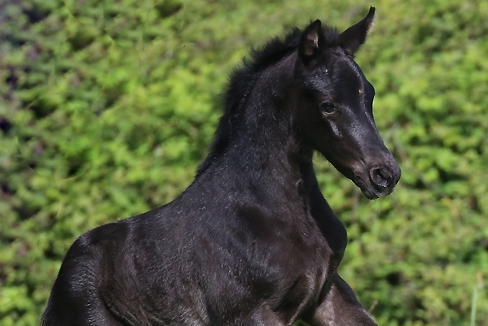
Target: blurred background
{"x":108,"y":106}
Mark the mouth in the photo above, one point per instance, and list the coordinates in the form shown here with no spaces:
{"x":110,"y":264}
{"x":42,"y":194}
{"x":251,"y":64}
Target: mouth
{"x":368,"y":190}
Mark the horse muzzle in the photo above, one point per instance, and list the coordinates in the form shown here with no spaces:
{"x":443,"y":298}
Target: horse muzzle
{"x":379,"y":180}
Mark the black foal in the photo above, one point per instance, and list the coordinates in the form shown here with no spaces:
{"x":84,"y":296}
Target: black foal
{"x":252,"y":241}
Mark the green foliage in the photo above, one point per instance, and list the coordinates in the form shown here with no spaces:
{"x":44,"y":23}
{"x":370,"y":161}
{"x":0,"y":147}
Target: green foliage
{"x":107,"y":107}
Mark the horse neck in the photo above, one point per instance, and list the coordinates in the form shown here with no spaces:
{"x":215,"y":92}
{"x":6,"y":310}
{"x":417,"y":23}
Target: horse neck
{"x":262,"y":153}
{"x":262,"y":146}
{"x":265,"y":139}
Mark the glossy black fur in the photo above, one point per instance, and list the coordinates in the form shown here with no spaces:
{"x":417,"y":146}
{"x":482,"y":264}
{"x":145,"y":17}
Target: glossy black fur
{"x":252,"y":241}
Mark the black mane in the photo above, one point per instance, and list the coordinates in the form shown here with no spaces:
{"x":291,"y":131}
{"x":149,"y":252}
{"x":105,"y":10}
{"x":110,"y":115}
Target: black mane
{"x":242,"y":81}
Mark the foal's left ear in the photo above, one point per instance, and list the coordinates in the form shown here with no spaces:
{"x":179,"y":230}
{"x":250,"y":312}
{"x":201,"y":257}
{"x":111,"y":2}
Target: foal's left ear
{"x":353,"y":37}
{"x":312,"y":42}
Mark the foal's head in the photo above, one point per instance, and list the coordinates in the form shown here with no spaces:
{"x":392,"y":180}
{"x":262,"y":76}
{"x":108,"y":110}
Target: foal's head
{"x":334,"y":112}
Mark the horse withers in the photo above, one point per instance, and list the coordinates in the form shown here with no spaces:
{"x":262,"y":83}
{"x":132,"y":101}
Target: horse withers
{"x":251,"y":241}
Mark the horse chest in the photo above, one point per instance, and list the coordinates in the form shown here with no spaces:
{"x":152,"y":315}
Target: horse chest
{"x":291,"y":267}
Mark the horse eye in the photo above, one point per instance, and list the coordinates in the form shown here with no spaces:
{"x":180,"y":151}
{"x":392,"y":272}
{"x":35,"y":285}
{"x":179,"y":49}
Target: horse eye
{"x":327,"y":107}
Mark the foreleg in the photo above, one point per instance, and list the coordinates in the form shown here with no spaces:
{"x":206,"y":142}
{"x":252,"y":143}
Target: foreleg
{"x":341,"y":308}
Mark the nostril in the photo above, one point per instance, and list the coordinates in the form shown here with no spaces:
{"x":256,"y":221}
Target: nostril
{"x":381,"y":178}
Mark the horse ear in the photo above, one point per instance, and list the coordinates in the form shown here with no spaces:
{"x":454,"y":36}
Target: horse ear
{"x":353,"y":37}
{"x":311,"y":42}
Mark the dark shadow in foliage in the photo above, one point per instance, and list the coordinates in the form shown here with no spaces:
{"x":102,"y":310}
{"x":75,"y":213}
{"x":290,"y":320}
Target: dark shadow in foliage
{"x":168,"y":8}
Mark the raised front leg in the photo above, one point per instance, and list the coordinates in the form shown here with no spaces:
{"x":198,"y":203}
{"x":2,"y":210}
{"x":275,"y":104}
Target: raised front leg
{"x":341,"y":308}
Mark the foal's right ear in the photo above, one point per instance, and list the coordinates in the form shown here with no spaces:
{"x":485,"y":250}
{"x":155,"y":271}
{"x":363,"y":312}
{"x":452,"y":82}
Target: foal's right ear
{"x":312,"y":42}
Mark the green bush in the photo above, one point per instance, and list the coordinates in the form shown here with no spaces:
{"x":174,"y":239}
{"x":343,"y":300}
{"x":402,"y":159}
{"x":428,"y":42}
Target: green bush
{"x":107,"y":107}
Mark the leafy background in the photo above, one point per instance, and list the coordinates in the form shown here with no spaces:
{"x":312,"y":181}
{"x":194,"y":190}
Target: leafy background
{"x":108,"y":106}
